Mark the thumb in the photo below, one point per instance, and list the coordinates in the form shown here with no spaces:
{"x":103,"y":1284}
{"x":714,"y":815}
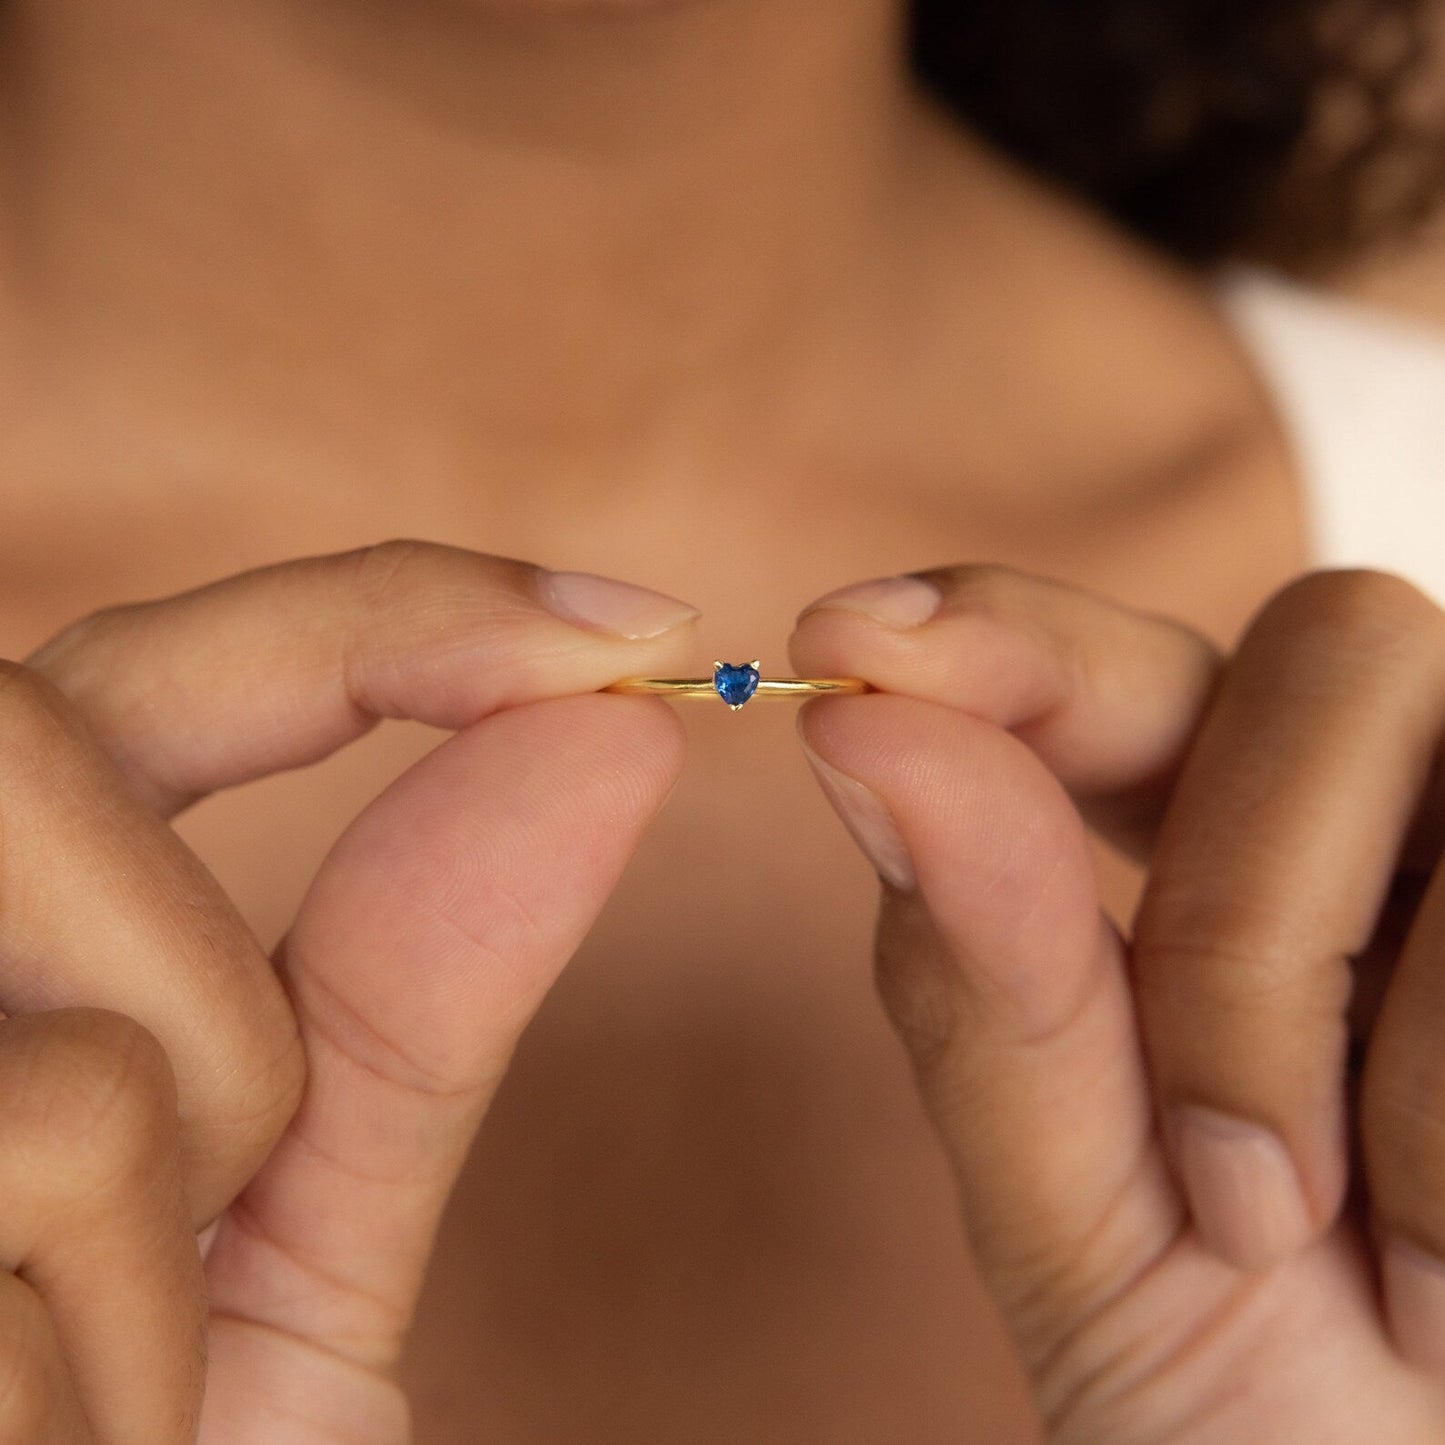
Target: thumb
{"x":1009,"y":987}
{"x":427,"y":941}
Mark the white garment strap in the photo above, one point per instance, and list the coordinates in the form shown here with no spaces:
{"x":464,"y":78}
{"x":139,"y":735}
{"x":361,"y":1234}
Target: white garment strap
{"x":1361,"y":393}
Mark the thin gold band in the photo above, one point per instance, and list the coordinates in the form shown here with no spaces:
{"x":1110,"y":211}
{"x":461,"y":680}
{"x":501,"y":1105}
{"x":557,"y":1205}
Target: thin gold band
{"x":738,"y":683}
{"x":704,"y":687}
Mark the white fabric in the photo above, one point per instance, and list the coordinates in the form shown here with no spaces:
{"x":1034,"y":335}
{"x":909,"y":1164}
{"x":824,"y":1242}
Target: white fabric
{"x":1362,"y":395}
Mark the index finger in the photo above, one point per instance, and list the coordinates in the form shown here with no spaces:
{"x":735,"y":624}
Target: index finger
{"x":1108,"y":697}
{"x":1270,"y":876}
{"x":268,"y":670}
{"x":278,"y":667}
{"x":1275,"y":798}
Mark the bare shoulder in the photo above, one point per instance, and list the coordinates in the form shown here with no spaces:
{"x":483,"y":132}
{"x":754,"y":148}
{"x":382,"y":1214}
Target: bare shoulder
{"x":1100,"y":366}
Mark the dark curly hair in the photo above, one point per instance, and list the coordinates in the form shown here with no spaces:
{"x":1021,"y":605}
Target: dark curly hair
{"x":1287,"y":131}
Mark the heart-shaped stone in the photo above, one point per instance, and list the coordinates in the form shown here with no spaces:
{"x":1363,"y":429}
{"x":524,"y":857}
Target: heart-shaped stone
{"x":735,"y":685}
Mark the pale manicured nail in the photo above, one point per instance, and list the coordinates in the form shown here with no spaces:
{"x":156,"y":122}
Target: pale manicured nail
{"x":1243,"y":1190}
{"x":602,"y":603}
{"x":867,"y":820}
{"x":895,"y":601}
{"x":1414,"y":1286}
{"x":207,"y":1236}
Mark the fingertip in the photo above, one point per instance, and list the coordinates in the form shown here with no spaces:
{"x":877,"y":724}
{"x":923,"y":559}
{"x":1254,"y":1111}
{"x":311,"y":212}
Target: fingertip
{"x":1243,"y":1188}
{"x":622,"y":753}
{"x":900,"y":602}
{"x":839,"y":642}
{"x":612,"y":607}
{"x":868,"y":820}
{"x":902,"y":748}
{"x":820,"y":716}
{"x":648,"y":735}
{"x":897,"y":744}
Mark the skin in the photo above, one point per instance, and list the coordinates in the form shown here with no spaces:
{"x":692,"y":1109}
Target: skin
{"x":1408,"y":278}
{"x":561,"y":289}
{"x":1053,"y":1055}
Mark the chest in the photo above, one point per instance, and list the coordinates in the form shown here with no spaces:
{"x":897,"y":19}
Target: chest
{"x":769,"y":1201}
{"x":1207,"y":550}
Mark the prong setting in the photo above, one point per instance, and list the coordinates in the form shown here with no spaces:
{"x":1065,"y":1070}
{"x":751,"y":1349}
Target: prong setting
{"x":735,"y":684}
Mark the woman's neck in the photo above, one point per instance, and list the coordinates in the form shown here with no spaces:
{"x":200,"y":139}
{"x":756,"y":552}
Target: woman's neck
{"x":714,"y":243}
{"x":564,"y":232}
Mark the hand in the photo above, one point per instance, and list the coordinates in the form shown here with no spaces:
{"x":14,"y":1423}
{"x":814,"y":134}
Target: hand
{"x":164,"y":1076}
{"x":1197,"y":1225}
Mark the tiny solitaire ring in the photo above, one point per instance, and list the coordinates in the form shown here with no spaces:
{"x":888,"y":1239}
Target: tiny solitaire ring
{"x":736,"y":683}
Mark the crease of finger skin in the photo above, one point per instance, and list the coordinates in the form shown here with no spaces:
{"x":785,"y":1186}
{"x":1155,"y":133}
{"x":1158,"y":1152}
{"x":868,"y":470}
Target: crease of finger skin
{"x":1147,"y":1177}
{"x":103,"y":906}
{"x":279,"y":667}
{"x":1059,"y":1289}
{"x":332,"y":1327}
{"x":249,"y":1106}
{"x":1270,"y":873}
{"x":1008,"y":984}
{"x":1265,"y":1177}
{"x":96,"y":1217}
{"x":1151,"y":1377}
{"x":264,"y":1378}
{"x":1108,"y":696}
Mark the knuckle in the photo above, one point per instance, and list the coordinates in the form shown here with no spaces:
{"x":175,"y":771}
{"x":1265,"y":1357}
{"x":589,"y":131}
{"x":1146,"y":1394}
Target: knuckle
{"x":1378,"y":611}
{"x":402,"y":571}
{"x":382,"y":581}
{"x":93,"y":1094}
{"x":34,"y":711}
{"x":86,"y":637}
{"x":1203,"y":957}
{"x":409,"y":596}
{"x":990,"y":588}
{"x":43,"y":748}
{"x":1053,"y":616}
{"x":384,"y":566}
{"x":404,"y":581}
{"x":262,"y":1104}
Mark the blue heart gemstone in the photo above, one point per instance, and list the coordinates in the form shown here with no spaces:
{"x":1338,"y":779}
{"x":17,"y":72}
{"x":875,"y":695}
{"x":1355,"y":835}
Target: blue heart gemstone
{"x":735,"y":685}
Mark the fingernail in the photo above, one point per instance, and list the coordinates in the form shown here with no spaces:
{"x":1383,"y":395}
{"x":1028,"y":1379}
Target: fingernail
{"x":586,"y":600}
{"x":869,"y":822}
{"x":1414,"y":1285}
{"x":207,"y":1236}
{"x":895,"y":601}
{"x":1243,"y":1190}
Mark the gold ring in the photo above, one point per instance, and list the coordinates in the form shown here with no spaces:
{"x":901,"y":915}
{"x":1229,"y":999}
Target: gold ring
{"x":735,"y":684}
